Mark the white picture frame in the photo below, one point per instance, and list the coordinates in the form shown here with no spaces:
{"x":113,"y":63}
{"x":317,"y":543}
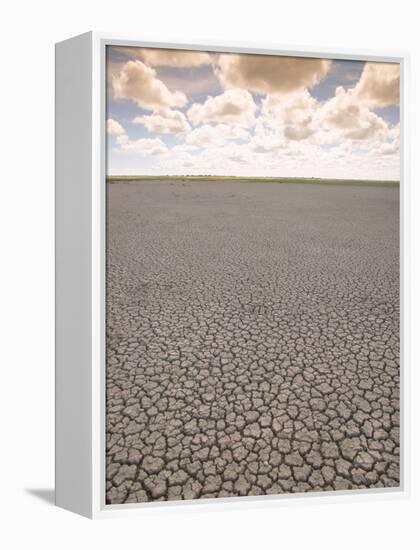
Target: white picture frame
{"x":80,"y":276}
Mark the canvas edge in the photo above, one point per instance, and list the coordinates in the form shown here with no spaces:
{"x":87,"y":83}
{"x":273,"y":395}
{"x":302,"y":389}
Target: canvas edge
{"x":73,"y":253}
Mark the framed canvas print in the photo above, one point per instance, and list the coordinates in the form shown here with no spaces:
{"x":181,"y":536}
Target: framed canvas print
{"x":230,"y":253}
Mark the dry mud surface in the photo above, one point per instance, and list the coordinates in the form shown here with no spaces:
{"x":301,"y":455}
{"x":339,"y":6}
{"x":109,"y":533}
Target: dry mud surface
{"x":252,"y":339}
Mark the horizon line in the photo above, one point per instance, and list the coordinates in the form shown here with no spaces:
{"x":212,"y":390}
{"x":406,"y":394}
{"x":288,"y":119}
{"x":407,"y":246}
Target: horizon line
{"x":227,"y":177}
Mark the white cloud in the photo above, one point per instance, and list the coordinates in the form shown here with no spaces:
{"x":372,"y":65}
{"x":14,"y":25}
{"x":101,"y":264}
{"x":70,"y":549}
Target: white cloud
{"x":294,"y":159}
{"x":266,"y":139}
{"x":114,"y":128}
{"x":379,"y":84}
{"x":351,"y":117}
{"x":217,"y":135}
{"x":165,"y":57}
{"x":143,"y":146}
{"x":295,"y":112}
{"x":395,"y":131}
{"x":268,"y":73}
{"x":343,"y":117}
{"x":184,"y":148}
{"x":234,"y":106}
{"x":291,"y":108}
{"x":392,"y":145}
{"x":390,"y":148}
{"x":297,"y":132}
{"x":174,"y":58}
{"x":165,"y":121}
{"x":139,"y":83}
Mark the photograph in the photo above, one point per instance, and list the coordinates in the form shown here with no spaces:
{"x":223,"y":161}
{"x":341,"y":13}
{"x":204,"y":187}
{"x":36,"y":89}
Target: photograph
{"x":252,"y":301}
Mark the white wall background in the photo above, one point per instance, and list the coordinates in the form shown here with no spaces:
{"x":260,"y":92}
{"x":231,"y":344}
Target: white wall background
{"x":28,"y":32}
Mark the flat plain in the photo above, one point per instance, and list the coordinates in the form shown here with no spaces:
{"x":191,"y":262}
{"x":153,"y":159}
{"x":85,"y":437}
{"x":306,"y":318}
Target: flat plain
{"x":252,"y":338}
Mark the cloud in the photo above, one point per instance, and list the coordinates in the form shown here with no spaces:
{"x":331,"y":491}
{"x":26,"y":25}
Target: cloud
{"x":114,"y":128}
{"x":165,"y":121}
{"x":294,"y":158}
{"x":291,"y":108}
{"x":298,"y":132}
{"x":138,"y":83}
{"x":164,"y":57}
{"x":215,"y":135}
{"x":268,"y":74}
{"x":266,"y":139}
{"x":379,"y":84}
{"x":183,"y":148}
{"x":234,"y":106}
{"x":390,"y":148}
{"x":143,"y":146}
{"x":174,"y":58}
{"x":299,"y":117}
{"x":395,"y":131}
{"x":392,"y":145}
{"x":351,"y":117}
{"x":295,"y":112}
{"x":204,"y":84}
{"x":211,"y":158}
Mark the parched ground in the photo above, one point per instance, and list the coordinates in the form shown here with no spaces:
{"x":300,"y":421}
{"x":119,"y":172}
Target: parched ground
{"x":252,"y":339}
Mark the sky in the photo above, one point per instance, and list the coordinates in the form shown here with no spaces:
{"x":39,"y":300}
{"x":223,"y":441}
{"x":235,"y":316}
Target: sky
{"x":179,"y":112}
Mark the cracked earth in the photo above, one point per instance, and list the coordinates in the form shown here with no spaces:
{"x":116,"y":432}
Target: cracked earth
{"x":252,"y":339}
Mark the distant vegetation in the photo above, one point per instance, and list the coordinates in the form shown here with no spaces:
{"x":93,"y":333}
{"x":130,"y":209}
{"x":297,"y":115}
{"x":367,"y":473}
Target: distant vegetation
{"x":327,"y":181}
